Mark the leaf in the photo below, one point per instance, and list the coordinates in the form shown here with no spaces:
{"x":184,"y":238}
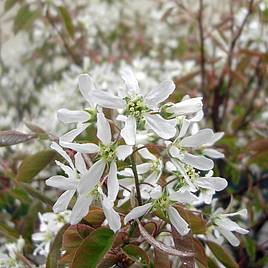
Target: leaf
{"x":93,"y":248}
{"x":260,"y":159}
{"x":161,"y":259}
{"x":156,"y":244}
{"x":9,"y":4}
{"x":250,"y":248}
{"x":258,"y":145}
{"x":33,"y":164}
{"x":36,"y":129}
{"x":24,"y":18}
{"x":55,"y":249}
{"x":184,"y":244}
{"x":225,"y":258}
{"x":196,"y":222}
{"x":200,"y":254}
{"x":8,"y":232}
{"x":136,"y":254}
{"x":95,"y":217}
{"x":67,"y":19}
{"x":11,"y":137}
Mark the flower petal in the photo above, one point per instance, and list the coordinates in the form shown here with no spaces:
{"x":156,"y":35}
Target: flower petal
{"x":128,"y":133}
{"x":89,"y":148}
{"x":63,"y":201}
{"x":86,"y":85}
{"x":164,"y":128}
{"x":214,"y":183}
{"x":123,"y":151}
{"x":68,"y":116}
{"x":80,"y":208}
{"x":103,"y":129}
{"x":71,"y":135}
{"x":112,"y":182}
{"x":90,"y":179}
{"x":201,"y":137}
{"x":60,"y":151}
{"x":62,"y":183}
{"x":146,"y":154}
{"x":212,"y":153}
{"x":130,"y":80}
{"x":143,"y":168}
{"x":200,"y":162}
{"x":177,"y":221}
{"x":137,"y":212}
{"x":160,"y":93}
{"x":80,"y":163}
{"x":230,"y":237}
{"x":185,"y":197}
{"x":107,"y":100}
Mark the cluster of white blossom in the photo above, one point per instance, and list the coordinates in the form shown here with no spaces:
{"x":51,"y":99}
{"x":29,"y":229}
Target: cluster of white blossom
{"x":140,"y":118}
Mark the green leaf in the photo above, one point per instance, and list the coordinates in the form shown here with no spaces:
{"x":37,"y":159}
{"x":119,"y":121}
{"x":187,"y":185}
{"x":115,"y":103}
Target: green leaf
{"x":11,"y":137}
{"x":8,"y":232}
{"x":93,"y":248}
{"x":55,"y":249}
{"x":250,"y":248}
{"x":224,"y":257}
{"x":67,"y":19}
{"x":24,"y":18}
{"x":9,"y":4}
{"x":33,"y":164}
{"x":136,"y":254}
{"x":260,"y":159}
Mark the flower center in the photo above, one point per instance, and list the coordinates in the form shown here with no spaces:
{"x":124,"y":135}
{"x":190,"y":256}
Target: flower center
{"x":162,"y":203}
{"x":135,"y":107}
{"x":108,"y":152}
{"x":156,"y":165}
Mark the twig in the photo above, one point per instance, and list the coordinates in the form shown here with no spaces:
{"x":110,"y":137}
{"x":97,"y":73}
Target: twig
{"x":136,"y":177}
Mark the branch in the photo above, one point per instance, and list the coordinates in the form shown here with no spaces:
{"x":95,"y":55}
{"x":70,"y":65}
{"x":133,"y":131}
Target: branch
{"x":136,"y":177}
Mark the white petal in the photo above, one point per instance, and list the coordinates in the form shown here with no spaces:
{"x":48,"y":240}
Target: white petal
{"x":186,"y":107}
{"x":206,"y":195}
{"x":111,"y":215}
{"x":128,"y":133}
{"x":63,"y":201}
{"x":112,"y":182}
{"x":89,"y":148}
{"x":68,"y":116}
{"x":60,"y":151}
{"x":185,"y":126}
{"x":243,"y":213}
{"x":217,"y":136}
{"x":103,"y":129}
{"x":164,"y":128}
{"x":226,"y":223}
{"x":62,"y":183}
{"x":184,"y":197}
{"x":107,"y":100}
{"x":156,"y":192}
{"x":146,"y":154}
{"x":80,"y":163}
{"x":198,"y":139}
{"x":160,"y":93}
{"x":67,"y":170}
{"x":80,"y":208}
{"x":215,"y":183}
{"x":71,"y":135}
{"x":86,"y":85}
{"x":130,"y":80}
{"x":200,"y":162}
{"x":212,"y":153}
{"x":232,"y":239}
{"x":197,"y":117}
{"x":177,"y":221}
{"x":175,"y":152}
{"x":137,"y":212}
{"x":143,"y":168}
{"x":90,"y":179}
{"x":123,"y":151}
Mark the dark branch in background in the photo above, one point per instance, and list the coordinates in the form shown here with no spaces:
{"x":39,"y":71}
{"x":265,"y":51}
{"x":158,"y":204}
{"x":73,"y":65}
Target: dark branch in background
{"x":202,"y":50}
{"x":221,"y":97}
{"x":76,"y":59}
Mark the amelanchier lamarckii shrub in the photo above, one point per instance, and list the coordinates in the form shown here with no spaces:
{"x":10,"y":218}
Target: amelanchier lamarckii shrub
{"x":146,"y":164}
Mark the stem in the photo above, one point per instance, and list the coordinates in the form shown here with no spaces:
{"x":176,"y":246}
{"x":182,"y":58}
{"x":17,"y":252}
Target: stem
{"x":136,"y":177}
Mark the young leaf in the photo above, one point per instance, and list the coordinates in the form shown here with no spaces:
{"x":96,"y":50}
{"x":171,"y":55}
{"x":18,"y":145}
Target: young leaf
{"x":55,"y":249}
{"x":200,"y":255}
{"x":136,"y":254}
{"x":11,"y":137}
{"x":95,"y":217}
{"x":9,"y":4}
{"x":93,"y":248}
{"x":161,"y":259}
{"x":225,"y":258}
{"x":33,"y":164}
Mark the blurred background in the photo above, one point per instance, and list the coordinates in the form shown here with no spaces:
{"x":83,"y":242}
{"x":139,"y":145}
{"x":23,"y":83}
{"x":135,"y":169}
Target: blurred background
{"x":215,"y":49}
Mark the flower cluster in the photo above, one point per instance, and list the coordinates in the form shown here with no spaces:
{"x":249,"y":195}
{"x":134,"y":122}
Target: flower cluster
{"x":148,"y":151}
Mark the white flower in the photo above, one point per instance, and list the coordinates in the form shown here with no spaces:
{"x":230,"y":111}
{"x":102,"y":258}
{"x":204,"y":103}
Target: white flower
{"x":82,"y":118}
{"x":226,"y":226}
{"x":8,"y":258}
{"x":164,"y":203}
{"x":68,"y":185}
{"x":139,"y":107}
{"x":108,"y":151}
{"x":50,"y":224}
{"x":187,"y":178}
